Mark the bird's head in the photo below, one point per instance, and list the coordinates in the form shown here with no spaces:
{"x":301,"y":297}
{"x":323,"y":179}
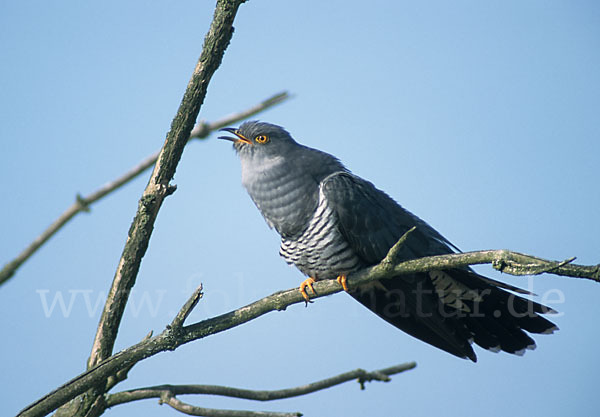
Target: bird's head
{"x":260,"y":139}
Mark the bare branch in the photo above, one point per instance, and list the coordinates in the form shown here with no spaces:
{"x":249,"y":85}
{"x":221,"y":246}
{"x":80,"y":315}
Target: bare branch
{"x":157,"y":391}
{"x":83,"y":203}
{"x":157,"y":189}
{"x":511,"y":262}
{"x":392,"y":256}
{"x":215,"y":43}
{"x":122,"y":374}
{"x":187,"y":308}
{"x":169,"y":398}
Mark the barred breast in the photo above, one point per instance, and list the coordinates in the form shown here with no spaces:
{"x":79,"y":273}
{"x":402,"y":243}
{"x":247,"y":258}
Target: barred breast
{"x":320,"y":250}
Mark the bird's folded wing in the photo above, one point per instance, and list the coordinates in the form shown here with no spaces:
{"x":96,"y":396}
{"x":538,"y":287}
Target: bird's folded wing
{"x":373,"y":222}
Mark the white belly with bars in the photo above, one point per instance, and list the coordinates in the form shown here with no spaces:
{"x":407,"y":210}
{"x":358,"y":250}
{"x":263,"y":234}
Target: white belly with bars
{"x":320,"y":251}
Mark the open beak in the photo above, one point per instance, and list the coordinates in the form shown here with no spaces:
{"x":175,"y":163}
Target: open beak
{"x":239,"y":137}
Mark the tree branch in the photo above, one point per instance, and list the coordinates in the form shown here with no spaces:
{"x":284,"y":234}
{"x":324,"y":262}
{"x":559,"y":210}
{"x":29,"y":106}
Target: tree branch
{"x":157,"y":189}
{"x":510,"y":262}
{"x":158,"y":391}
{"x":187,"y":308}
{"x":169,"y":398}
{"x":215,"y":43}
{"x":167,"y":393}
{"x":83,"y":203}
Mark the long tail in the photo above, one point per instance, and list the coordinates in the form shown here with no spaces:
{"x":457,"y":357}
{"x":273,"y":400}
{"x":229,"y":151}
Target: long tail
{"x":451,"y":309}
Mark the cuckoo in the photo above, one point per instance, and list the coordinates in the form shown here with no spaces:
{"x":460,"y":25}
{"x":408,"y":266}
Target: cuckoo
{"x":333,"y":223}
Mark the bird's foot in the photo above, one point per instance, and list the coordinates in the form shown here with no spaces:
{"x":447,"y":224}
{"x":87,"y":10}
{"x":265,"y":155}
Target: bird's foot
{"x":342,"y":280}
{"x":308,"y":282}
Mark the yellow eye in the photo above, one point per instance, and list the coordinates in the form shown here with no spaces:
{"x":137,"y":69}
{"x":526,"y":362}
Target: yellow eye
{"x":261,"y":139}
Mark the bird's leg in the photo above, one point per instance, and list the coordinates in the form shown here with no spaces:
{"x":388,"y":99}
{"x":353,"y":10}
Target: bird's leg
{"x":342,"y":279}
{"x":308,"y":282}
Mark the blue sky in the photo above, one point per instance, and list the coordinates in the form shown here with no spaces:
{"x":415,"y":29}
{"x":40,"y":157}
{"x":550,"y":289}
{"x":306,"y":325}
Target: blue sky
{"x":480,"y":117}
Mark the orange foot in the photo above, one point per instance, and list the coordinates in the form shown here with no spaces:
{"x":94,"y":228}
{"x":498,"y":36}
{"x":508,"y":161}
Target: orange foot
{"x":341,"y":279}
{"x":308,"y":282}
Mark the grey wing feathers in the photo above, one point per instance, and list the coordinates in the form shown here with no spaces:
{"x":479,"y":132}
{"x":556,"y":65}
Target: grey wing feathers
{"x":373,"y":222}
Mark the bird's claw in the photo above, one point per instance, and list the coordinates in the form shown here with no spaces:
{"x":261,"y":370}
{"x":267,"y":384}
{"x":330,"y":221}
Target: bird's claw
{"x":308,"y":282}
{"x":342,"y":280}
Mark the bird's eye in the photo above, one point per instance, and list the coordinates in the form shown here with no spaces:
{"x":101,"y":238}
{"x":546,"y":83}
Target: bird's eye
{"x":261,"y":139}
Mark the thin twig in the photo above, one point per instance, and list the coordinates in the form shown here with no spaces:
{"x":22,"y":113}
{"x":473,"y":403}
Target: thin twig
{"x":170,"y":399}
{"x":501,"y":259}
{"x":257,"y":395}
{"x":187,"y":308}
{"x":392,"y":256}
{"x":83,"y":203}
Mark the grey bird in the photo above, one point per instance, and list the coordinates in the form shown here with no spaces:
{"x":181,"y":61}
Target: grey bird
{"x":333,"y":223}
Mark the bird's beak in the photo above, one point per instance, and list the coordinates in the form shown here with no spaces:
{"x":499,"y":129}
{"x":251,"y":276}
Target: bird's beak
{"x":239,"y":137}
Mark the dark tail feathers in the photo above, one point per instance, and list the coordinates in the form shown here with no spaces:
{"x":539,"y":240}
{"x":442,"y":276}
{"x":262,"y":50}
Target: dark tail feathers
{"x":451,"y":309}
